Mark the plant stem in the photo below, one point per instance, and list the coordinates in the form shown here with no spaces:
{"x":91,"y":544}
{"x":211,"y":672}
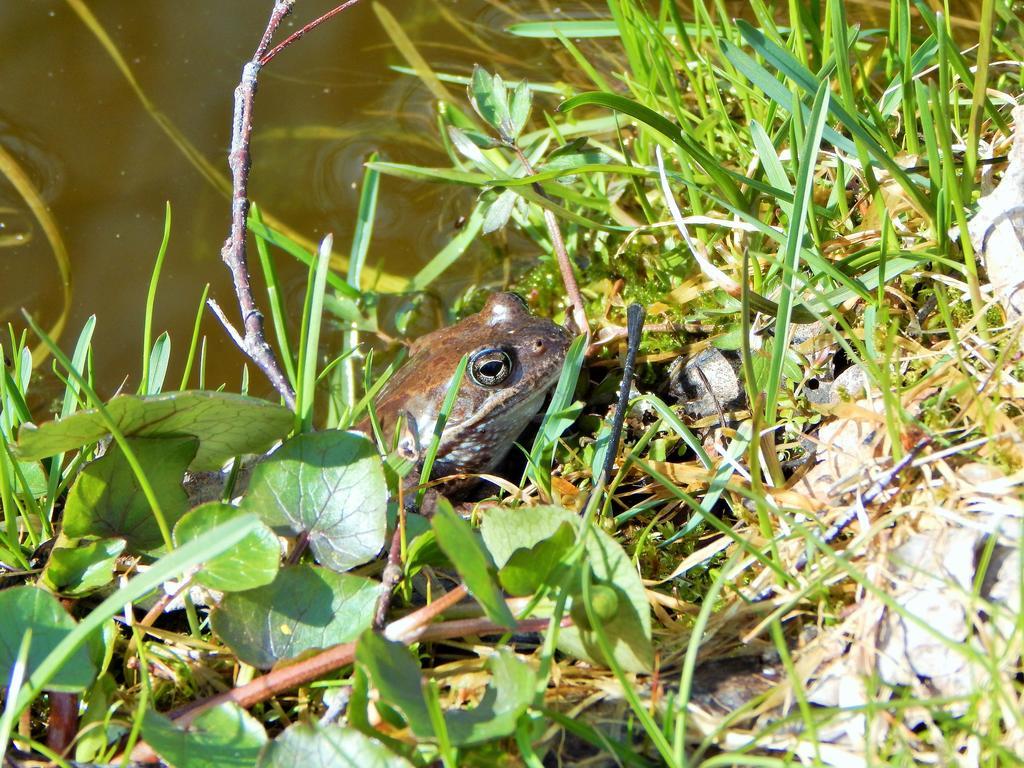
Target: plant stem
{"x":253,"y":342}
{"x":572,"y":288}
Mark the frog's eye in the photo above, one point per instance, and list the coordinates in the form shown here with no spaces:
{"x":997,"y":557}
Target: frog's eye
{"x":490,"y":367}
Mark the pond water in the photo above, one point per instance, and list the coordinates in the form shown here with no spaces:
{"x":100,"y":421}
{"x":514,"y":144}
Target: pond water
{"x":104,"y":162}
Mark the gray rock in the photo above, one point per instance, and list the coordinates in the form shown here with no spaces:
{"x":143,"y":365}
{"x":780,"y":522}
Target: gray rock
{"x":722,"y":372}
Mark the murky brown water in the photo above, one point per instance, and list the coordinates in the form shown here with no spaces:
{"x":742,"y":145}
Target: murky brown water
{"x":105,"y":167}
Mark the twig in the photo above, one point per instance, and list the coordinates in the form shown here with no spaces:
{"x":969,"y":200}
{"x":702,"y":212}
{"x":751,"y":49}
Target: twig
{"x":415,"y":627}
{"x":232,"y":331}
{"x":392,"y":572}
{"x":252,"y":340}
{"x":296,"y":35}
{"x":254,"y":343}
{"x":572,"y":288}
{"x":861,"y":500}
{"x":634,"y":325}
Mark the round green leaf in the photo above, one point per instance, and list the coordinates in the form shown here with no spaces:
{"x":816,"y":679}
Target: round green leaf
{"x":30,"y":609}
{"x":79,"y":567}
{"x":223,"y":737}
{"x":628,"y":628}
{"x":225,"y":424}
{"x":332,"y":746}
{"x":328,"y":486}
{"x":107,"y":500}
{"x":303,"y":609}
{"x":251,"y":563}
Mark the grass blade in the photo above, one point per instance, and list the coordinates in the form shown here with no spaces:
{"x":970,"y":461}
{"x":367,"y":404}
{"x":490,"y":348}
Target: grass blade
{"x":147,"y":333}
{"x":309,"y":353}
{"x":439,"y":425}
{"x":792,"y":247}
{"x":668,"y":129}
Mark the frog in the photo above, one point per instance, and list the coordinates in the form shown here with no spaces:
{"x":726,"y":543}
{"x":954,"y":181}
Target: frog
{"x":514,"y":359}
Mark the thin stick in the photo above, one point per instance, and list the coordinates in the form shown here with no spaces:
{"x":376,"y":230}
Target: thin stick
{"x":634,"y":324}
{"x":860,"y":501}
{"x":254,"y":343}
{"x":252,"y":340}
{"x":296,"y":35}
{"x":572,"y":288}
{"x":392,"y":572}
{"x":415,"y":627}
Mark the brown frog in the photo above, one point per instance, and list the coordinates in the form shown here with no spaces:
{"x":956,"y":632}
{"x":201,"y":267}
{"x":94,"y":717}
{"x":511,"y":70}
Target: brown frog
{"x":514,"y":359}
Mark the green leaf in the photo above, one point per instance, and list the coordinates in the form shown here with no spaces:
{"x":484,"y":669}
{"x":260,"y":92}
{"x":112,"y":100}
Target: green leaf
{"x":226,"y":425}
{"x":508,"y":696}
{"x":25,"y":609}
{"x":251,"y":563}
{"x":422,"y":551}
{"x":528,"y":568}
{"x":499,"y":211}
{"x":78,"y":567}
{"x":159,"y":357}
{"x":396,"y":675}
{"x":223,"y":737}
{"x":106,"y":500}
{"x":489,"y":98}
{"x":462,"y":545}
{"x":167,"y":567}
{"x":35,"y":479}
{"x":519,"y":110}
{"x":418,"y":173}
{"x":575,"y":29}
{"x":505,"y":530}
{"x":328,"y":746}
{"x":304,"y":608}
{"x":791,"y":247}
{"x":92,"y":739}
{"x":585,"y":159}
{"x":328,"y":486}
{"x":466,"y":146}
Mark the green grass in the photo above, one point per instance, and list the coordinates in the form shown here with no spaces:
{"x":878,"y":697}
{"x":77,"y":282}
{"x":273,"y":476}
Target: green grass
{"x":739,"y":178}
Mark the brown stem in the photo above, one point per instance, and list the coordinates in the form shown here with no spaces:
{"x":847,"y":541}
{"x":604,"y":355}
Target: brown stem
{"x":254,"y":343}
{"x":572,"y":288}
{"x":392,"y":572}
{"x":63,"y":721}
{"x":252,"y":340}
{"x":287,"y":678}
{"x":409,"y":629}
{"x":312,"y":25}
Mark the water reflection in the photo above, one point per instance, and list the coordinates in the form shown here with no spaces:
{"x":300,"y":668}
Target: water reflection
{"x":106,"y":164}
{"x":106,"y":167}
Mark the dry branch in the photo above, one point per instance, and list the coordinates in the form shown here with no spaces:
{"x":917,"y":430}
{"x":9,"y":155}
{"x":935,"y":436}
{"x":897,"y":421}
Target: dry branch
{"x":251,"y":339}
